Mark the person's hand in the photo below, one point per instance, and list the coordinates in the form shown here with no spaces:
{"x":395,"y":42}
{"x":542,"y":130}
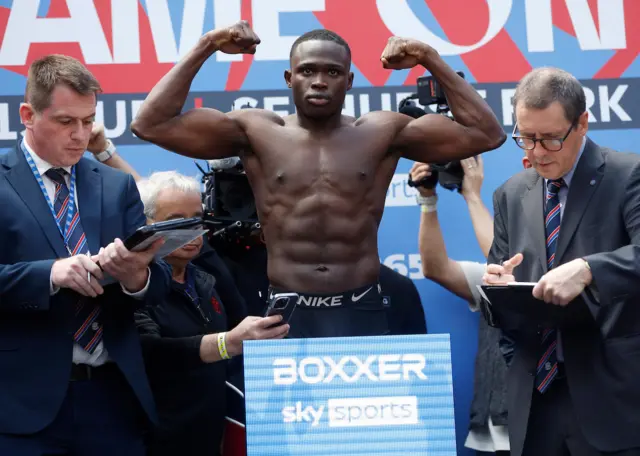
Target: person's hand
{"x":403,"y":53}
{"x":128,"y":268}
{"x":418,"y":172}
{"x":563,"y":283}
{"x":238,"y":38}
{"x":98,"y":140}
{"x":500,"y":274}
{"x":473,"y":177}
{"x":255,"y":328}
{"x":72,"y":273}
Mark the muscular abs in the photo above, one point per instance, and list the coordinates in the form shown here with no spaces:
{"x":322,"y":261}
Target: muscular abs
{"x":320,"y":201}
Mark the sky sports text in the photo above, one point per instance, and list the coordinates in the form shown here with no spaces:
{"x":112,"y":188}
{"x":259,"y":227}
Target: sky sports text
{"x":349,"y":369}
{"x":356,"y":412}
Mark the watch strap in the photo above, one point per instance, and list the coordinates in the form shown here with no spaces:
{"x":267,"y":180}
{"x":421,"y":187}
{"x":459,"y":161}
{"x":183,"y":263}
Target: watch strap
{"x":107,"y":153}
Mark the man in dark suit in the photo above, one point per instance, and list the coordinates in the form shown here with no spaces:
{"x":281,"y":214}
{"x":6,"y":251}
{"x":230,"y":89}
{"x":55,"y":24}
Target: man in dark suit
{"x":572,"y":224}
{"x":72,"y":379}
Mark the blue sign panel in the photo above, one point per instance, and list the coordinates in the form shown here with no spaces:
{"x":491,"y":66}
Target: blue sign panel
{"x":388,"y":395}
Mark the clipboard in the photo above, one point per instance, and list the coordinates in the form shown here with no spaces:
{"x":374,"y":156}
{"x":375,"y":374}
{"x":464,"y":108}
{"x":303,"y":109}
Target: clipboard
{"x":513,"y":307}
{"x":175,"y":233}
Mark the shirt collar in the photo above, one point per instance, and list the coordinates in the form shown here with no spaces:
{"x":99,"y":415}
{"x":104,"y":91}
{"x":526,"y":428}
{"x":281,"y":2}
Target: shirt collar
{"x":567,"y":177}
{"x":42,"y":165}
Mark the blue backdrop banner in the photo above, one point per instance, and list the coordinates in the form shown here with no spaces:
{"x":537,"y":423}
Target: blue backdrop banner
{"x":130,"y":44}
{"x":350,"y":396}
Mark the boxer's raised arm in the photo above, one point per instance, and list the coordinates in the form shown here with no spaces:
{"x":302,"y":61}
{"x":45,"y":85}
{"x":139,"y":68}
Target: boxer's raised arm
{"x":435,"y":138}
{"x":201,"y":132}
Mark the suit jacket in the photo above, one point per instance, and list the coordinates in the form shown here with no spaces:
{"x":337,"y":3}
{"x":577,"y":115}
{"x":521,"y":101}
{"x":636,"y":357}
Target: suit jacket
{"x":36,"y":332}
{"x":601,"y":223}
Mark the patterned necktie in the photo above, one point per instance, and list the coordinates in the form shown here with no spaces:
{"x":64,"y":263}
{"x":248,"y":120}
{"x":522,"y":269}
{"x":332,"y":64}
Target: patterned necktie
{"x":88,"y":331}
{"x":547,"y":369}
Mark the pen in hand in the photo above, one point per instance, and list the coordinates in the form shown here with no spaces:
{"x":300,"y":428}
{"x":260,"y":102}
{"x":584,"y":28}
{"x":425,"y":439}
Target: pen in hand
{"x":88,"y":273}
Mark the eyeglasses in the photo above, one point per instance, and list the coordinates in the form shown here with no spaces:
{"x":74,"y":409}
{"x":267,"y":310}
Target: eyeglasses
{"x":551,"y":144}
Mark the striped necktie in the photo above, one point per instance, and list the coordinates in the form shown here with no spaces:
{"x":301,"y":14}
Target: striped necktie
{"x":88,"y":331}
{"x":547,"y":368}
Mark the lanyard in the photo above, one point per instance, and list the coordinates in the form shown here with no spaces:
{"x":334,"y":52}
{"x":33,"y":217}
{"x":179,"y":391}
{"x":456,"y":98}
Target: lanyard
{"x":64,"y":232}
{"x":192,"y":294}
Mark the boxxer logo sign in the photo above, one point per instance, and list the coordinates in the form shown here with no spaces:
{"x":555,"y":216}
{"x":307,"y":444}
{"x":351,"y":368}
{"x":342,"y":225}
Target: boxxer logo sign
{"x":349,"y":369}
{"x":394,"y":393}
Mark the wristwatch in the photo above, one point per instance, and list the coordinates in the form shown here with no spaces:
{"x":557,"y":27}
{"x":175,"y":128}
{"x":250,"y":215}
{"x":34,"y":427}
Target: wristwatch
{"x":107,"y":153}
{"x":427,"y":203}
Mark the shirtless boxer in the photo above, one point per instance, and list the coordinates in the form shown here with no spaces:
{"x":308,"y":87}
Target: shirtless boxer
{"x":319,"y":177}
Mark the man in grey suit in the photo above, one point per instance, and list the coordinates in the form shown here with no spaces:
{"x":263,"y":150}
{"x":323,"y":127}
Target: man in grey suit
{"x":571,"y":223}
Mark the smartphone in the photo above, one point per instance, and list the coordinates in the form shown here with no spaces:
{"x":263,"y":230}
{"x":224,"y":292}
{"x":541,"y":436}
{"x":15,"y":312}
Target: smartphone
{"x":282,"y":304}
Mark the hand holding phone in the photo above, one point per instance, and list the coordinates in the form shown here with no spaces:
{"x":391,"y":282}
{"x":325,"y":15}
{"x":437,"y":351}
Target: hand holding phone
{"x":282,"y":304}
{"x":255,"y":328}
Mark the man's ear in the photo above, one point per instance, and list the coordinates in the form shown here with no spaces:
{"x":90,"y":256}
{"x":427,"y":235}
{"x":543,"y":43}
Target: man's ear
{"x":287,"y":77}
{"x":350,"y":84}
{"x":583,"y":123}
{"x":27,"y":113}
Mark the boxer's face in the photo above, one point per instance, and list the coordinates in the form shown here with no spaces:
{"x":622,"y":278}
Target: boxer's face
{"x":61,"y":132}
{"x":173,"y":204}
{"x":319,"y":77}
{"x":551,"y":124}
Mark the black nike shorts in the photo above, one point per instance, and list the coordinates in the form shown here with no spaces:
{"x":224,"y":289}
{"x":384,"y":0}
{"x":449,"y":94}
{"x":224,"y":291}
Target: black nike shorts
{"x":358,"y":312}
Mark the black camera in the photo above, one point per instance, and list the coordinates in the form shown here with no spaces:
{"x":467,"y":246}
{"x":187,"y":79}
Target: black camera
{"x":229,"y":205}
{"x":431,"y":93}
{"x":449,"y":175}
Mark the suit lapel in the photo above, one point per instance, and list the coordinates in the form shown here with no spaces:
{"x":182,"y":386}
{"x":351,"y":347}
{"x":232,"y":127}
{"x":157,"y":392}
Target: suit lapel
{"x":534,"y":213}
{"x":584,"y":183}
{"x":89,"y":190}
{"x":24,"y":183}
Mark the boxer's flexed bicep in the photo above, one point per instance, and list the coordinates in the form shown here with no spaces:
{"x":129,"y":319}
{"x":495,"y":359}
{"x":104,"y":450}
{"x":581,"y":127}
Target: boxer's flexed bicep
{"x":200,"y":133}
{"x":434,"y":138}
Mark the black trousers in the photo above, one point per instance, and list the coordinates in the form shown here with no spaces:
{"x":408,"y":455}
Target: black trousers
{"x":553,"y":426}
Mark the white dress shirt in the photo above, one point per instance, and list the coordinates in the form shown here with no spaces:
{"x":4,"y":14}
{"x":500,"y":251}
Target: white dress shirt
{"x":80,"y":356}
